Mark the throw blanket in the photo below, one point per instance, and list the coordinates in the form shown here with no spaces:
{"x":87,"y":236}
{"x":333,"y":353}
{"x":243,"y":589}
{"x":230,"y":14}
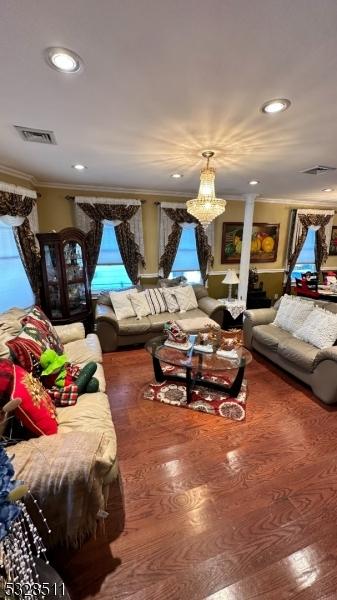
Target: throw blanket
{"x":65,"y":474}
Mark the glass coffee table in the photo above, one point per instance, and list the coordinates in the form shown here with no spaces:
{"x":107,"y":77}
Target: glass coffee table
{"x":199,"y":367}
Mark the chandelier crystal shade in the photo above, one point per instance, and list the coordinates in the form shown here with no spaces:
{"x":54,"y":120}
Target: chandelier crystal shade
{"x":206,"y":207}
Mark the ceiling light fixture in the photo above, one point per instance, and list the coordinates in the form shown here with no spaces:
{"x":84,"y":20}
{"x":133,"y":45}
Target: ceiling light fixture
{"x":206,"y":207}
{"x":63,"y":60}
{"x":327,"y":190}
{"x":275,"y":106}
{"x":254,"y":182}
{"x":177,"y":175}
{"x":79,"y":167}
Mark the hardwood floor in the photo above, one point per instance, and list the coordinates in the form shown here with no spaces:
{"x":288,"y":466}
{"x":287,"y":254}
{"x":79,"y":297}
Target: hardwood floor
{"x":215,"y":509}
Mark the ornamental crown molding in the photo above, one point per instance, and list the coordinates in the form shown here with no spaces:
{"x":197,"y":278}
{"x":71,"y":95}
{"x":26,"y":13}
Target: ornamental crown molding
{"x":16,"y":173}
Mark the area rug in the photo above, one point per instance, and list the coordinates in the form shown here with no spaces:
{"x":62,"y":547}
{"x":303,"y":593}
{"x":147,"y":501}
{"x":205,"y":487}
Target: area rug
{"x":204,"y":400}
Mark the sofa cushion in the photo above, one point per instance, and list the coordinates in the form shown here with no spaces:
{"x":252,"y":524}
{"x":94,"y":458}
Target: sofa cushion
{"x":91,"y":413}
{"x":157,"y":321}
{"x":270,"y":335}
{"x":298,"y":352}
{"x":134,"y":326}
{"x":83,"y":351}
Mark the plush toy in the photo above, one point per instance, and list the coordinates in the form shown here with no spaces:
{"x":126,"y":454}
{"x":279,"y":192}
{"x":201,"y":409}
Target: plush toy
{"x":58,"y":372}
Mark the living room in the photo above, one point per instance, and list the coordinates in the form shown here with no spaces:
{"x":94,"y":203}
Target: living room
{"x":168,"y":239}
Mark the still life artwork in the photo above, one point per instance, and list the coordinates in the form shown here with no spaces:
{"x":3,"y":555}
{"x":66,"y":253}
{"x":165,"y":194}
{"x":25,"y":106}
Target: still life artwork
{"x":263,"y":244}
{"x":333,"y":242}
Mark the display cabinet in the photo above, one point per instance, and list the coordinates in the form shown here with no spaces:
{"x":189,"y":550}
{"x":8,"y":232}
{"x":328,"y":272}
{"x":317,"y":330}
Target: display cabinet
{"x":65,"y":291}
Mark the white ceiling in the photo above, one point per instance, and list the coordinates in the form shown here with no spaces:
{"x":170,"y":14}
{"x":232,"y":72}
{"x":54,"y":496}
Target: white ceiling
{"x":165,"y":79}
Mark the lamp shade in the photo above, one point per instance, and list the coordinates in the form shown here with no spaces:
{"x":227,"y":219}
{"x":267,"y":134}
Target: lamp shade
{"x":231,"y":277}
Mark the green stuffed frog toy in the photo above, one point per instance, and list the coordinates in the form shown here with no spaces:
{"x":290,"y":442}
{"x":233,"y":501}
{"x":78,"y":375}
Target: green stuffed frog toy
{"x":58,"y":372}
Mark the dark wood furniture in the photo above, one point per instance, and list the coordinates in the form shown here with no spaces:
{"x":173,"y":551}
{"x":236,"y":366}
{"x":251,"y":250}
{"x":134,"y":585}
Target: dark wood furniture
{"x":257,"y":298}
{"x":65,"y":287}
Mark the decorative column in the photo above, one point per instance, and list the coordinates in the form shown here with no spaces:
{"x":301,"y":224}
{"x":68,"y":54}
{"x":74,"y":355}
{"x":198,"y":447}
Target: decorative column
{"x":246,"y":244}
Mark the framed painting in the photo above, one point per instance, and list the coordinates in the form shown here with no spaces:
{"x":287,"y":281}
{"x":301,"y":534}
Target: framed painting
{"x":333,"y":242}
{"x":263,"y":245}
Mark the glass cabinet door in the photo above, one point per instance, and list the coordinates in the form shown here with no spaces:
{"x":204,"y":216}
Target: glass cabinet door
{"x":73,"y":260}
{"x":51,"y":258}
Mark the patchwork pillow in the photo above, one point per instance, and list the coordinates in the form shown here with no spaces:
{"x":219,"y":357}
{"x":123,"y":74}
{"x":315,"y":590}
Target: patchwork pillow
{"x":156,"y":301}
{"x":186,"y":298}
{"x":36,"y":411}
{"x":170,"y":299}
{"x":140,"y":304}
{"x":121,"y":303}
{"x":37,"y":318}
{"x":27,"y":347}
{"x":292,"y":313}
{"x":319,"y":328}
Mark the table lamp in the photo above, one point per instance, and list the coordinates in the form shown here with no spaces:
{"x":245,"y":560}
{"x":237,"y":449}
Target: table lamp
{"x":230,"y":278}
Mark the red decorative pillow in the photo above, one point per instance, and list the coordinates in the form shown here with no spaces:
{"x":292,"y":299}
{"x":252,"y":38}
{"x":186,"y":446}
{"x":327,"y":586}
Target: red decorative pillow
{"x":37,"y":318}
{"x":36,"y":411}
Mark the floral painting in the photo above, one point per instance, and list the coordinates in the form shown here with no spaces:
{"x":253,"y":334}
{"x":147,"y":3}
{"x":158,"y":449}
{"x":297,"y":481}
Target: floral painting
{"x":333,"y":242}
{"x":263,"y":244}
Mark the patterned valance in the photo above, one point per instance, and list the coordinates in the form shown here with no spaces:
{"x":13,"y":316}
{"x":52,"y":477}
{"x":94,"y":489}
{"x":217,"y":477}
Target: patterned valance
{"x":305,"y":219}
{"x":16,"y":201}
{"x":170,"y":234}
{"x":126,"y":216}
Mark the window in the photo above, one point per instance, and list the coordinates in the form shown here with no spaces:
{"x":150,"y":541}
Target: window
{"x":15,"y":288}
{"x":110,"y":273}
{"x":186,"y":261}
{"x":306,"y":259}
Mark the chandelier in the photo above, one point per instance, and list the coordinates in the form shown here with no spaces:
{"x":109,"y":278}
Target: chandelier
{"x":206,"y":207}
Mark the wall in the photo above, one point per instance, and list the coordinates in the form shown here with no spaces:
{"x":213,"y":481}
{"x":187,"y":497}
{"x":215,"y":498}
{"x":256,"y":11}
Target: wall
{"x":56,"y":212}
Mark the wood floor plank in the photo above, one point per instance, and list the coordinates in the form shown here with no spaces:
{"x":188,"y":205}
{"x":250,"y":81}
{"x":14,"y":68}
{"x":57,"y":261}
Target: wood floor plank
{"x":213,"y":508}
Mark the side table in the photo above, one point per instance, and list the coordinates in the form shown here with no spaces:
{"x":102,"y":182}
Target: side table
{"x":233,"y":315}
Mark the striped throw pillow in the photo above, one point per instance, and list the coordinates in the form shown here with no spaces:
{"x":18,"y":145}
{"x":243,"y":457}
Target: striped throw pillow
{"x":156,"y":301}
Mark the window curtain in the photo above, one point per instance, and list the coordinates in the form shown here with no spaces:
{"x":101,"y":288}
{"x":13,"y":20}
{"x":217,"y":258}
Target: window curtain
{"x":303,"y":219}
{"x":90,"y":214}
{"x":173,"y":217}
{"x":18,"y":209}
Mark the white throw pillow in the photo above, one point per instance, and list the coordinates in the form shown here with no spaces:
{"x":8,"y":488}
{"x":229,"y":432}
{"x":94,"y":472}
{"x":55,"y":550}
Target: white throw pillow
{"x":156,"y":301}
{"x":140,"y":304}
{"x":170,"y":299}
{"x":319,"y":328}
{"x":121,"y":303}
{"x":292,"y":313}
{"x":186,"y":298}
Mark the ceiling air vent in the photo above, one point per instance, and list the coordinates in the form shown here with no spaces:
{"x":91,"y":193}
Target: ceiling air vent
{"x":42,"y":136}
{"x":318,"y":169}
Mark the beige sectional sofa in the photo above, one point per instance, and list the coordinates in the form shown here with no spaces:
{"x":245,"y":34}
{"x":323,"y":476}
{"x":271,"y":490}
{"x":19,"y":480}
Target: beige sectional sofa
{"x":315,"y":367}
{"x":113,"y":333}
{"x":69,"y":473}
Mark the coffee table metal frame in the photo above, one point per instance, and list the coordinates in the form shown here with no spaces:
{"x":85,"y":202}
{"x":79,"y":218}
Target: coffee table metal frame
{"x":191,"y":380}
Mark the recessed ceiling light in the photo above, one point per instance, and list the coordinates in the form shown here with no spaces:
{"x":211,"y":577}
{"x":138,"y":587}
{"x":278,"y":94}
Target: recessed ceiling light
{"x":254,"y":182}
{"x":63,"y":60}
{"x":177,"y":175}
{"x":79,"y":167}
{"x":275,"y":106}
{"x":327,"y":190}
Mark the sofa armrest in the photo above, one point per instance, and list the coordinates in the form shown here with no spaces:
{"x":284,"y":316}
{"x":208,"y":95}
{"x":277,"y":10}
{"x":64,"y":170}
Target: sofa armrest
{"x":107,"y":327}
{"x":213,"y":309}
{"x":258,"y":316}
{"x":326,"y":354}
{"x":71,"y":332}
